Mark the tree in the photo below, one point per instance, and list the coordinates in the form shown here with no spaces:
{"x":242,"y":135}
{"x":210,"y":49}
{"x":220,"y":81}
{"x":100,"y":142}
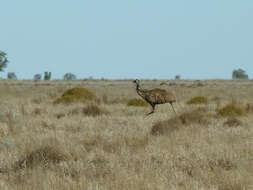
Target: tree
{"x":47,"y":75}
{"x":69,"y":76}
{"x":3,"y":60}
{"x":177,"y":77}
{"x":12,"y":76}
{"x":239,"y":74}
{"x":37,"y":77}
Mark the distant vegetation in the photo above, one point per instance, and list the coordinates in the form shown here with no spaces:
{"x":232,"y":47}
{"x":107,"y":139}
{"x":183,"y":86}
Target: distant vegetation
{"x":3,"y":61}
{"x":239,"y":74}
{"x":37,"y":77}
{"x":177,"y":77}
{"x":69,"y":76}
{"x":12,"y":76}
{"x":47,"y":75}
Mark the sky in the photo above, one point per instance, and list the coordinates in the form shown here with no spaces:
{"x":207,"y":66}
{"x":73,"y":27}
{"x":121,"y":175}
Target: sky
{"x":118,"y":39}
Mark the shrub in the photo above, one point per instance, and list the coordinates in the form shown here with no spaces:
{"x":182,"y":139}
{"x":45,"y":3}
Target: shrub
{"x":198,"y":100}
{"x":198,"y":116}
{"x":93,"y":110}
{"x":137,"y":102}
{"x":76,"y":95}
{"x":231,"y":110}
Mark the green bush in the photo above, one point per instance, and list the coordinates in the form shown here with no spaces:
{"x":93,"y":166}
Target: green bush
{"x":198,"y":100}
{"x":231,"y":110}
{"x":76,"y":95}
{"x":137,"y":102}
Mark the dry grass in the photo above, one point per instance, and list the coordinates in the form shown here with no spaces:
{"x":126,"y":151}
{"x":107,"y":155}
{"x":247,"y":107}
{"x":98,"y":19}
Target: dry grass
{"x":93,"y":110}
{"x":80,"y":146}
{"x":42,"y":156}
{"x":232,"y":122}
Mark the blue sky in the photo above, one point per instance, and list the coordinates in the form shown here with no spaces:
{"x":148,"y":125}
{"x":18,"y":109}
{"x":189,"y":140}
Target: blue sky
{"x":128,"y":39}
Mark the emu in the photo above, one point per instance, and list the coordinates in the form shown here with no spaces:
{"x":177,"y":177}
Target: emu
{"x":155,"y":96}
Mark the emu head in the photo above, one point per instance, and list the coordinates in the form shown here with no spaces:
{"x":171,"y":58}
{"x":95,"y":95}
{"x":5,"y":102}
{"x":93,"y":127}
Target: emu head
{"x":136,"y":81}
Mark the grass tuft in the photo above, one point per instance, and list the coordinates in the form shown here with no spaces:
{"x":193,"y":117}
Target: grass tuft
{"x":198,"y":100}
{"x":137,"y":102}
{"x":76,"y":95}
{"x":231,"y":110}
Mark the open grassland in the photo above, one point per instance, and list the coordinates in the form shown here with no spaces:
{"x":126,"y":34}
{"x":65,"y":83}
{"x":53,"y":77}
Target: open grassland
{"x":107,"y":143}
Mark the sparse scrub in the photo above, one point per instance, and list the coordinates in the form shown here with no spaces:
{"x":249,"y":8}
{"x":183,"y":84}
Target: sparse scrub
{"x":76,"y":95}
{"x":231,"y":110}
{"x":137,"y":102}
{"x":198,"y":100}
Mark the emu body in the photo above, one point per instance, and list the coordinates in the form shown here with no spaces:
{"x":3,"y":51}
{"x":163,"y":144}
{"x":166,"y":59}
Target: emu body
{"x":155,"y":96}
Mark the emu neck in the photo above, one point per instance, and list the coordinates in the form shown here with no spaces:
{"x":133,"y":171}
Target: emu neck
{"x":139,"y":90}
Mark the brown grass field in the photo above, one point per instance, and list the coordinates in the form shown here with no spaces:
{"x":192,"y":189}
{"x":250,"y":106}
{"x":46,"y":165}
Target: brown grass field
{"x":106,"y":144}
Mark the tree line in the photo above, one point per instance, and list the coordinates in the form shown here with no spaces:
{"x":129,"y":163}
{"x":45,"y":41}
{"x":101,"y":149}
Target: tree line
{"x":236,"y":74}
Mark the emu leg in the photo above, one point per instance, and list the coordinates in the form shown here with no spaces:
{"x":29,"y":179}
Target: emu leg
{"x":173,"y":107}
{"x":153,"y":110}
